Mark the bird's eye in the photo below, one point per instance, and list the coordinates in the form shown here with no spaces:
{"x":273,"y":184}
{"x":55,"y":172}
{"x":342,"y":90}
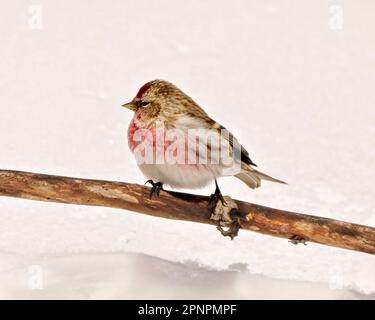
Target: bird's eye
{"x":144,"y":103}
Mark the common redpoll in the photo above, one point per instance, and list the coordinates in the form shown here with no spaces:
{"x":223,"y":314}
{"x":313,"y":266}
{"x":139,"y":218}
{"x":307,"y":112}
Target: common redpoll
{"x":176,"y":143}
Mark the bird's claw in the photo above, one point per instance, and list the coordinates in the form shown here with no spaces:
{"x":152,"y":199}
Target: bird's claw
{"x":214,"y":199}
{"x":156,"y":187}
{"x":150,"y":182}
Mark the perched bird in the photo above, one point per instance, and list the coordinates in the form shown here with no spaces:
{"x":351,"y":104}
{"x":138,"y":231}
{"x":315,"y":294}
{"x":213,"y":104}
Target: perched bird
{"x":159,"y":102}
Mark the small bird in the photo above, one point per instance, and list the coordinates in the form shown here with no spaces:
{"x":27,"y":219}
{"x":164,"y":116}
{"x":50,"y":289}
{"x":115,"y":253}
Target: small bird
{"x":160,"y":102}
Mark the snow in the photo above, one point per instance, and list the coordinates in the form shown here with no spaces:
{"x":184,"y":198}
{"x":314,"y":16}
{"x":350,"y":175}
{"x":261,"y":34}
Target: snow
{"x":297,"y":93}
{"x":136,"y":276}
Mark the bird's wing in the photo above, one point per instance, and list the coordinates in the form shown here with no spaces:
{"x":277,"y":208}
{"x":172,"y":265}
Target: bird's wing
{"x":197,"y":117}
{"x":233,"y":142}
{"x":249,"y":175}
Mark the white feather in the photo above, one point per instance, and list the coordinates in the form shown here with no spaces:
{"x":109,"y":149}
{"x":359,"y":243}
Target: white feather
{"x":179,"y":176}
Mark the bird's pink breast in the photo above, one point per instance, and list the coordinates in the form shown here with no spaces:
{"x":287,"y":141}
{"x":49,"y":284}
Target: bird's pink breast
{"x":133,"y":127}
{"x":157,"y":142}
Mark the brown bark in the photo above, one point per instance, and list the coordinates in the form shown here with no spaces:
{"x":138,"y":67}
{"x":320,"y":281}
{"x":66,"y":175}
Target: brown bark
{"x":180,"y":206}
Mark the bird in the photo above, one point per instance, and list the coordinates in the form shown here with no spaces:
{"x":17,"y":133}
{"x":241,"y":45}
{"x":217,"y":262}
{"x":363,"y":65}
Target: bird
{"x":159,"y":103}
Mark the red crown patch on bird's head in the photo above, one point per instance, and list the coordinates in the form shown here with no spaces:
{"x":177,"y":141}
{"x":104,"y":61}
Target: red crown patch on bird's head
{"x":142,"y":90}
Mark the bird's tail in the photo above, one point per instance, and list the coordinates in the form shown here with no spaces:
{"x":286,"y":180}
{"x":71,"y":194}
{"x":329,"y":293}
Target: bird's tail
{"x":253,"y":178}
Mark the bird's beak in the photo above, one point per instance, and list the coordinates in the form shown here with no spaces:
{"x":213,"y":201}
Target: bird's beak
{"x":131,"y":106}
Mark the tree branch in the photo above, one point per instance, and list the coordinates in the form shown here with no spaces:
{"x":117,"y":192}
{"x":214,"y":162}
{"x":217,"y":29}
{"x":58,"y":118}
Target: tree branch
{"x":180,"y":206}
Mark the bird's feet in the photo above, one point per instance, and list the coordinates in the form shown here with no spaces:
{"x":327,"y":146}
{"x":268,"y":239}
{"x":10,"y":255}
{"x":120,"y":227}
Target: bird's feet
{"x":221,"y":211}
{"x":156,"y":187}
{"x":215,"y":198}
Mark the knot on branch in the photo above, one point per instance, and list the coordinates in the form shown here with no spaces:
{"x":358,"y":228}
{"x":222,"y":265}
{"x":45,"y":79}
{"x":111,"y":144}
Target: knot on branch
{"x":223,"y":215}
{"x":296,"y":239}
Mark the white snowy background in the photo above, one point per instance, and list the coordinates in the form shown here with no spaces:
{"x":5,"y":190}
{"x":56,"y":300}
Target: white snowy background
{"x":294,"y":80}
